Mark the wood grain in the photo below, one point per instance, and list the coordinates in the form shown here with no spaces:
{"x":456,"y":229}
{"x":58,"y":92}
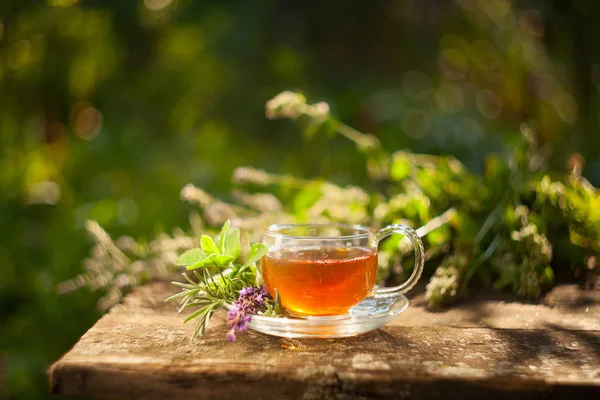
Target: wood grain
{"x":489,"y":347}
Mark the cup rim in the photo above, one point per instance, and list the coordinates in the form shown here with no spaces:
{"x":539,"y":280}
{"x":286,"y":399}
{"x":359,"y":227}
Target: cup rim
{"x":273,"y":231}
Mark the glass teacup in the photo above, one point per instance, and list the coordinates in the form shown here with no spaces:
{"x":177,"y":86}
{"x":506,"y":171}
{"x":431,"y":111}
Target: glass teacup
{"x":326,"y":269}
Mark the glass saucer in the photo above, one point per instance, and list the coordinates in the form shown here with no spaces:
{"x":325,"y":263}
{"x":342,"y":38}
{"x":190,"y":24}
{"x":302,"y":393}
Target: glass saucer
{"x":364,"y":317}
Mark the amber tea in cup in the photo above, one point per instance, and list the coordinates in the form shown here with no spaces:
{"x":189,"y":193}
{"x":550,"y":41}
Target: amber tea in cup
{"x":323,"y":281}
{"x":327,"y":269}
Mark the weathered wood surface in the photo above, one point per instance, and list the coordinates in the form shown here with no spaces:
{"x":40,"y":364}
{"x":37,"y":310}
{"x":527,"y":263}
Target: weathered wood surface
{"x":484,"y":348}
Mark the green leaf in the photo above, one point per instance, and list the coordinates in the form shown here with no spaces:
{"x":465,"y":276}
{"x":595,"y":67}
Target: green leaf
{"x":246,"y":273}
{"x":232,"y":243}
{"x":184,"y":303}
{"x":256,"y":252}
{"x":176,"y":296}
{"x":221,"y":260}
{"x":214,"y":260}
{"x":190,"y":257}
{"x":208,"y":245}
{"x":223,"y":236}
{"x":400,"y":168}
{"x":195,"y":314}
{"x":183,"y":285}
{"x":199,"y":264}
{"x":234,"y":273}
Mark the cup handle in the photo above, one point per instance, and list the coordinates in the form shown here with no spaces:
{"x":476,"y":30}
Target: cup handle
{"x":417,"y":244}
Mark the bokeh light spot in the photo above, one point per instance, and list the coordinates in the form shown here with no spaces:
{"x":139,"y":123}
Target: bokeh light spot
{"x":104,"y":211}
{"x":454,"y":57}
{"x":488,"y":104}
{"x":86,"y":120}
{"x":127,"y":210}
{"x":83,"y":76}
{"x":468,"y":132}
{"x":533,"y":53}
{"x":531,"y":22}
{"x":567,"y":108}
{"x":62,"y":3}
{"x":546,"y":87}
{"x":484,"y":55}
{"x":500,"y":12}
{"x":454,"y":42}
{"x":182,"y":45}
{"x":19,"y":54}
{"x":416,"y":85}
{"x":45,"y":192}
{"x":449,"y":98}
{"x":156,"y":4}
{"x":453,"y":63}
{"x":287,"y":62}
{"x":470,"y":5}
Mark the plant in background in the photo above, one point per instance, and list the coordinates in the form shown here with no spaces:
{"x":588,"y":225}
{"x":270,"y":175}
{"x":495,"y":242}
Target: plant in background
{"x":498,"y":230}
{"x":515,"y":227}
{"x":115,"y":266}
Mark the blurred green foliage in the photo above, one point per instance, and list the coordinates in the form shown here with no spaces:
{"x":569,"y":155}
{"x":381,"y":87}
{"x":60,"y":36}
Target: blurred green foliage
{"x":109,"y":108}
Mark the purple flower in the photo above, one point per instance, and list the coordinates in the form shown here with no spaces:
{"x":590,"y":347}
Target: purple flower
{"x":249,"y":301}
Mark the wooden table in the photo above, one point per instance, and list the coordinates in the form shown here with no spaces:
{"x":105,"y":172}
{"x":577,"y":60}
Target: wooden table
{"x":489,"y":347}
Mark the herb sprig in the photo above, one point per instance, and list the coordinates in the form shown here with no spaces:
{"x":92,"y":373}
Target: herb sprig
{"x":219,"y":279}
